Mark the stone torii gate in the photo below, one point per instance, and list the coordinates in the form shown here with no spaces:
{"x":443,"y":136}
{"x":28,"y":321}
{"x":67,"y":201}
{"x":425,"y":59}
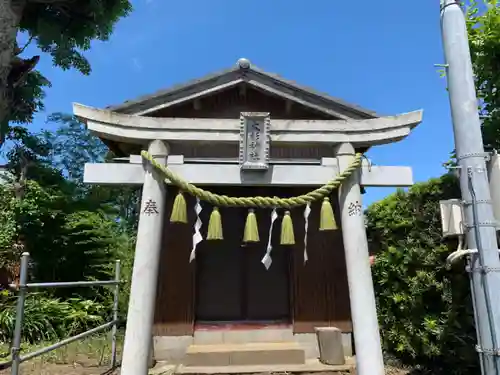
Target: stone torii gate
{"x":158,"y":134}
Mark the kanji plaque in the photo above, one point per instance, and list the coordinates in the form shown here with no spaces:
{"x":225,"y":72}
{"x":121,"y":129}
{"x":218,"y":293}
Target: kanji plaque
{"x":254,"y":140}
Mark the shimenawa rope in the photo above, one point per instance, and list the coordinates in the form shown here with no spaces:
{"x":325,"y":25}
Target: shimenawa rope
{"x":251,"y":232}
{"x":263,"y":202}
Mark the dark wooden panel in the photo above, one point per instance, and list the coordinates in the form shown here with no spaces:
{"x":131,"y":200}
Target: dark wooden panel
{"x":268,"y":297}
{"x":232,"y":283}
{"x":219,"y":268}
{"x":321,"y":294}
{"x":317,"y":290}
{"x":174,"y":313}
{"x":341,"y":309}
{"x":229,"y":103}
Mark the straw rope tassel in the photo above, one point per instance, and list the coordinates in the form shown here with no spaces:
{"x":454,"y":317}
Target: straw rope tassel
{"x":287,"y":235}
{"x":215,"y":226}
{"x":179,"y":211}
{"x":251,"y":233}
{"x":327,"y":218}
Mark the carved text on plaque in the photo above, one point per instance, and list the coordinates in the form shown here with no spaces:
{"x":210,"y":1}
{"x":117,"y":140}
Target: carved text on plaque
{"x":254,"y":140}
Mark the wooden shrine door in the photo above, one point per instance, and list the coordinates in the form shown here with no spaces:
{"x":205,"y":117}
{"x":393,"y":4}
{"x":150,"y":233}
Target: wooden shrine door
{"x":227,"y":283}
{"x":232,"y":285}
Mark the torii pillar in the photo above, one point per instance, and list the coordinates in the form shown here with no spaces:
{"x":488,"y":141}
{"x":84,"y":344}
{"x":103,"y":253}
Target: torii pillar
{"x":141,"y":306}
{"x":369,"y":358}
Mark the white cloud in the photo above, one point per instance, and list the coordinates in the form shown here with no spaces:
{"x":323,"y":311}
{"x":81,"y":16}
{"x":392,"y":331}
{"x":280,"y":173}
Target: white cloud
{"x":137,"y":64}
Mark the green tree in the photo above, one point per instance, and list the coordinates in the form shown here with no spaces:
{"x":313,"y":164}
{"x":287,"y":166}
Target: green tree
{"x":51,"y":218}
{"x":63,"y":29}
{"x":69,"y":234}
{"x":58,"y":209}
{"x":71,"y":146}
{"x":483,"y":25}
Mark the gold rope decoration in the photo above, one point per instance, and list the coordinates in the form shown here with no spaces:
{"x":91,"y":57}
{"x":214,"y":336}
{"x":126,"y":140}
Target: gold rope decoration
{"x":264,"y":202}
{"x":251,"y":232}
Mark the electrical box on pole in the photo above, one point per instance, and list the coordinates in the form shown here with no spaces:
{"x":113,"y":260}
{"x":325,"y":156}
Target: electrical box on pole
{"x":494,"y":179}
{"x":452,"y":217}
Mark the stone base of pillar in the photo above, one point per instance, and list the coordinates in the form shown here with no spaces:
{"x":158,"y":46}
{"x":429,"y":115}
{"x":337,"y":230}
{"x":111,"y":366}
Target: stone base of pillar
{"x":152,"y":359}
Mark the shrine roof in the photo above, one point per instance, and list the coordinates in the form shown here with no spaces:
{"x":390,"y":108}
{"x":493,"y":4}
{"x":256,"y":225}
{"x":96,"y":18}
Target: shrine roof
{"x":244,"y":73}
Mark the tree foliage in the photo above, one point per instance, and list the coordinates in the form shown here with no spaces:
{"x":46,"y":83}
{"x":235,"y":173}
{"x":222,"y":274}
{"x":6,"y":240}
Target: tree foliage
{"x":424,"y":307}
{"x":483,"y":25}
{"x":25,"y":100}
{"x":63,"y":29}
{"x":71,"y":232}
{"x":72,"y":145}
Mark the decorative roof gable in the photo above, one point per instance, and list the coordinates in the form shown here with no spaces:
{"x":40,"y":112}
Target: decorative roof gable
{"x":241,"y":75}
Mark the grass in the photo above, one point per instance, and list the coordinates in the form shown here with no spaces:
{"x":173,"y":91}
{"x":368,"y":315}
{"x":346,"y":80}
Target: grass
{"x":91,"y":356}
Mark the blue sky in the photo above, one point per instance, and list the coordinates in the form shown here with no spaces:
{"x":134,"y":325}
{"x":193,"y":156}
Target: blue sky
{"x":379,"y":55}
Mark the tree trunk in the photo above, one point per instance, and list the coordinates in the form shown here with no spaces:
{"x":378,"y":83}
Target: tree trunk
{"x":10,"y":16}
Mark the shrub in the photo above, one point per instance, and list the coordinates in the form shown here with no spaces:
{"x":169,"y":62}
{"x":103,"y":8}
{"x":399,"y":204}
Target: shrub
{"x":424,"y":308}
{"x":47,"y":319}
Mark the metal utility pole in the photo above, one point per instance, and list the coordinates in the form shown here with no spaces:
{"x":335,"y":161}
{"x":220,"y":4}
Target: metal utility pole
{"x":480,"y":226}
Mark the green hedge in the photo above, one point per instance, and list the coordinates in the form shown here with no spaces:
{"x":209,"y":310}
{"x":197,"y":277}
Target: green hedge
{"x":424,"y":308}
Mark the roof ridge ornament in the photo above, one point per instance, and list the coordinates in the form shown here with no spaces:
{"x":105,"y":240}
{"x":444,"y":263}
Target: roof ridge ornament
{"x":243,"y":63}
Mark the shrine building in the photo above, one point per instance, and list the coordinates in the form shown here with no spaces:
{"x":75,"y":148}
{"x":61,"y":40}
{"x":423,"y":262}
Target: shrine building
{"x":244,"y":132}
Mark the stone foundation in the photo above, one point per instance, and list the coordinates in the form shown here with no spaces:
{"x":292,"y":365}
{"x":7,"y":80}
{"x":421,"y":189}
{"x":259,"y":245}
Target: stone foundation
{"x":173,"y":348}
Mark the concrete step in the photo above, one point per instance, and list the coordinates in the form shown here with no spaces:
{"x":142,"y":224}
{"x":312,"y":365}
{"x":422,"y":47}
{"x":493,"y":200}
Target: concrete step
{"x":245,"y":354}
{"x":242,"y":336}
{"x":311,"y":366}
